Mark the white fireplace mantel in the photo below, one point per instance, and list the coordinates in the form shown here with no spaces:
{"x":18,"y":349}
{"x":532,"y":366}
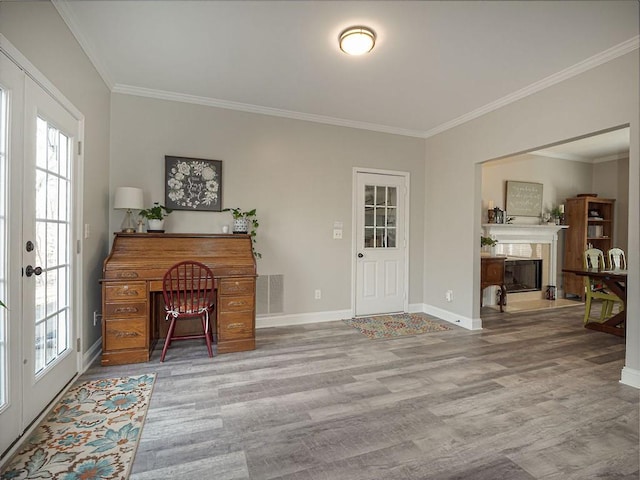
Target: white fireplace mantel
{"x":519,"y":233}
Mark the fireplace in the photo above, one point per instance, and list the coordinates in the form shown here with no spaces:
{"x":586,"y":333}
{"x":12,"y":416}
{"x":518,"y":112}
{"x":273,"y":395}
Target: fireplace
{"x":507,"y":234}
{"x":523,"y":275}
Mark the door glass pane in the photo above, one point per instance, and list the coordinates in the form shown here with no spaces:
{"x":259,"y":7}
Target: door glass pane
{"x":52,"y":234}
{"x":3,"y":250}
{"x":382,"y":217}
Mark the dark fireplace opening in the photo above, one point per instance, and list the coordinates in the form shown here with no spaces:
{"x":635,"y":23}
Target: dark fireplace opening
{"x":523,"y":275}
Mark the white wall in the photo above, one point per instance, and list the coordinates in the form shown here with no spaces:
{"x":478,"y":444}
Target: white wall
{"x":297,"y":174}
{"x":38,"y":32}
{"x":611,"y":180}
{"x":599,"y":99}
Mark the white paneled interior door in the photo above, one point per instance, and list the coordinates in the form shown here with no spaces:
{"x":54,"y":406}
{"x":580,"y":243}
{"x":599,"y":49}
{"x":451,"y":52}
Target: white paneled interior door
{"x":380,"y":243}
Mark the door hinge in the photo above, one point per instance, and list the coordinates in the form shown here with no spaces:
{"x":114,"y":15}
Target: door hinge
{"x":78,"y":345}
{"x":79,"y":148}
{"x":78,"y":246}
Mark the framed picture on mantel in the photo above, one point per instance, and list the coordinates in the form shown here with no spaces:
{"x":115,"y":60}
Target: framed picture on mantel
{"x":524,"y":199}
{"x":193,"y":184}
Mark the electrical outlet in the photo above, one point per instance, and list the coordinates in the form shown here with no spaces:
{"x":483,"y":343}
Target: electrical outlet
{"x":449,"y":295}
{"x":337,"y":234}
{"x":318,"y":294}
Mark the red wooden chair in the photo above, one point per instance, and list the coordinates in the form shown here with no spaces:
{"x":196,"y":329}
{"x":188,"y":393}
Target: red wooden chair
{"x":188,"y":292}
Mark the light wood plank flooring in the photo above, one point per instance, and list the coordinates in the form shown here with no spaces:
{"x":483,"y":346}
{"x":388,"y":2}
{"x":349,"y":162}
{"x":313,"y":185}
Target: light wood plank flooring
{"x":532,"y":396}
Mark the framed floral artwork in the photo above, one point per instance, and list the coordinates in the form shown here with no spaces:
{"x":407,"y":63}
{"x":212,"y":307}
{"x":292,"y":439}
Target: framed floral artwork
{"x":193,"y":184}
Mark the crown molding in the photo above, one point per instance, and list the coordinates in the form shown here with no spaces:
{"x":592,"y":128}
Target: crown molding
{"x":580,"y":67}
{"x":62,"y":6}
{"x":246,"y":107}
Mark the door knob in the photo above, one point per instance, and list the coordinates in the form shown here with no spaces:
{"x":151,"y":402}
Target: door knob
{"x":32,"y":271}
{"x":360,"y":255}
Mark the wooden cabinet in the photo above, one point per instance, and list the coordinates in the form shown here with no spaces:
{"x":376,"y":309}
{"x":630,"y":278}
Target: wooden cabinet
{"x":492,"y":273}
{"x":590,"y":221}
{"x":132,"y":303}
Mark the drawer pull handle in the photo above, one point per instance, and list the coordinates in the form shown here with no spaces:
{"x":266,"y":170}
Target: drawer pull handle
{"x":237,"y":303}
{"x":127,"y":275}
{"x":125,"y":310}
{"x":126,"y":334}
{"x":233,"y":326}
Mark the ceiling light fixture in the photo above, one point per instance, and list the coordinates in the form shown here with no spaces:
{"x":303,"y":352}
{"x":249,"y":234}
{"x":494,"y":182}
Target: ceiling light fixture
{"x":357,"y":40}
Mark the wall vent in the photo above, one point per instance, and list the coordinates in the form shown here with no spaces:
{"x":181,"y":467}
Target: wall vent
{"x":269,"y":294}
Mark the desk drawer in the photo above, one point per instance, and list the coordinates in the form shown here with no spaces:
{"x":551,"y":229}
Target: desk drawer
{"x":125,"y":333}
{"x":126,"y":291}
{"x":238,"y":303}
{"x":237,"y":286}
{"x":123,"y":309}
{"x":235,"y":325}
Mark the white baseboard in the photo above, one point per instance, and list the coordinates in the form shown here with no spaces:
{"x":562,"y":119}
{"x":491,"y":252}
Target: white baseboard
{"x":90,"y":355}
{"x":301,"y":318}
{"x":631,"y":377}
{"x":266,"y":321}
{"x":447,"y":316}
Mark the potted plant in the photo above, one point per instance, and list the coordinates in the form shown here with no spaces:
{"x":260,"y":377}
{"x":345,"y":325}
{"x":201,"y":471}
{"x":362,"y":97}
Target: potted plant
{"x":487,"y":244}
{"x":155,"y":216}
{"x":557,"y":213}
{"x":245,"y":222}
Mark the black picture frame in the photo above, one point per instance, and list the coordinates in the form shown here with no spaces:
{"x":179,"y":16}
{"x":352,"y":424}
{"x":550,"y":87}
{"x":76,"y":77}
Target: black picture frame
{"x":193,"y":184}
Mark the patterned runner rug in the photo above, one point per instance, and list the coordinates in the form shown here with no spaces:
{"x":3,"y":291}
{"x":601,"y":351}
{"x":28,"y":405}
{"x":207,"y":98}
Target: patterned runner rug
{"x":92,"y":433}
{"x":390,"y":326}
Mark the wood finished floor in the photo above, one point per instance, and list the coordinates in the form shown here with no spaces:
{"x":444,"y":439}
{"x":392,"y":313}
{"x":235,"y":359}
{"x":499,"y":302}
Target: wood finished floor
{"x":532,"y":396}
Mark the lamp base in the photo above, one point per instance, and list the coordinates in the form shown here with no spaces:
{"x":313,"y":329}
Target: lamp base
{"x":127,"y":224}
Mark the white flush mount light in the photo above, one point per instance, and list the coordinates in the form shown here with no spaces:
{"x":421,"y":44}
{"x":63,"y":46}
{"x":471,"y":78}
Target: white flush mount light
{"x":357,"y":40}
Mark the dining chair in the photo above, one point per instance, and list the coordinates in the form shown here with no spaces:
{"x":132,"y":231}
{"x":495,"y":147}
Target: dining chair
{"x":594,"y":259}
{"x":617,"y":260}
{"x":188,"y":291}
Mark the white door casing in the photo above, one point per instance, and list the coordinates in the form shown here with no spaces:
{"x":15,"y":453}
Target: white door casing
{"x":380,"y":242}
{"x":11,"y":146}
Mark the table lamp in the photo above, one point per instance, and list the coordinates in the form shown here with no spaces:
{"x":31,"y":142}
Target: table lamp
{"x":128,"y":198}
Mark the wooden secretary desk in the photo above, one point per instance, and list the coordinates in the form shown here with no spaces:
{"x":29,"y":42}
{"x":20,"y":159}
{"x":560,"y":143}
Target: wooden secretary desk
{"x":132,"y":304}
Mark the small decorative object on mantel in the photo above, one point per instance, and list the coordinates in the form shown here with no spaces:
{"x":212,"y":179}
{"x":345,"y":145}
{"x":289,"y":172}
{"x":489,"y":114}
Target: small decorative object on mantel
{"x":155,"y":217}
{"x":193,"y":184}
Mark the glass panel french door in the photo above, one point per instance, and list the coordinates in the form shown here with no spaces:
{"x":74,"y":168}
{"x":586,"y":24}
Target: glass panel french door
{"x":11,"y":153}
{"x":50,"y":359}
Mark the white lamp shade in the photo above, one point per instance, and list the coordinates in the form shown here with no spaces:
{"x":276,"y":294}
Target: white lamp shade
{"x":129,"y":198}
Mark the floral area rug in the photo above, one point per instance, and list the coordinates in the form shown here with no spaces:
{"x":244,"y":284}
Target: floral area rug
{"x":91,"y":434}
{"x":390,"y":326}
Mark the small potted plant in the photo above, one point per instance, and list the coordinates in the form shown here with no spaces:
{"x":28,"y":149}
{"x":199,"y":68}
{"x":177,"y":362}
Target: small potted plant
{"x":155,"y":216}
{"x":557,"y":213}
{"x":487,"y":244}
{"x":245,"y":222}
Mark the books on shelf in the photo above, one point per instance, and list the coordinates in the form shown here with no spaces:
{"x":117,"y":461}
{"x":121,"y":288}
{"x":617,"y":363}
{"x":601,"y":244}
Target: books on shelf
{"x":595,"y":231}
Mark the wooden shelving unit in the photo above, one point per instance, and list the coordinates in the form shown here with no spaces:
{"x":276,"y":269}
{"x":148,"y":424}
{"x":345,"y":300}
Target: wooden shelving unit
{"x":590,"y":221}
